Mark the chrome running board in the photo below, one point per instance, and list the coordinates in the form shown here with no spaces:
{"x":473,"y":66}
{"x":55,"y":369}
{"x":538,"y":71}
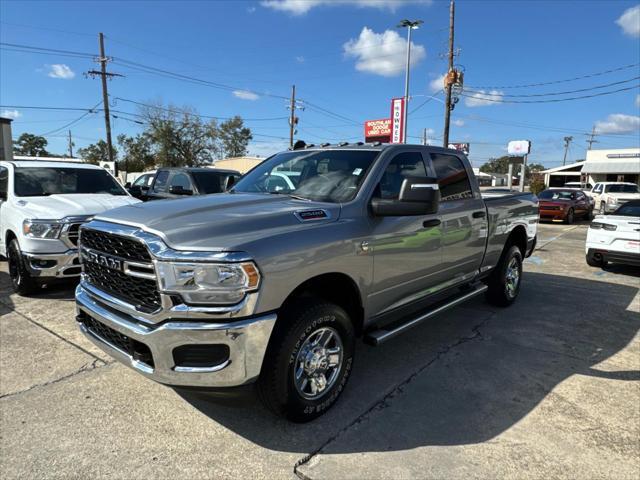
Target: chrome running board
{"x":379,"y":336}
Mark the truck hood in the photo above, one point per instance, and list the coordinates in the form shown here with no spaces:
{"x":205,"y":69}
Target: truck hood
{"x":55,"y":207}
{"x":624,"y":196}
{"x":223,"y":222}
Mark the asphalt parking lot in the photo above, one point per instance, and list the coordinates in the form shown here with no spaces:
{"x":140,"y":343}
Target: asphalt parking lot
{"x":547,"y":388}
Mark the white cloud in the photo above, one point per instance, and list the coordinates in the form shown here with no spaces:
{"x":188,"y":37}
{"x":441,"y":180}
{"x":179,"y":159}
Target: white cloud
{"x":60,"y":70}
{"x":437,"y":84}
{"x":629,"y":21}
{"x":10,"y":114}
{"x":382,"y":53}
{"x":245,"y":95}
{"x":482,"y":98}
{"x":251,"y":9}
{"x":458,"y":123}
{"x":300,"y":59}
{"x":618,"y":123}
{"x":300,"y":7}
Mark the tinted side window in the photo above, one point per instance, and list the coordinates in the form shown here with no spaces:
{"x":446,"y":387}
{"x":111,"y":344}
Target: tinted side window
{"x":160,"y":185}
{"x":4,"y":179}
{"x":452,"y":177}
{"x":181,"y":180}
{"x":408,"y":164}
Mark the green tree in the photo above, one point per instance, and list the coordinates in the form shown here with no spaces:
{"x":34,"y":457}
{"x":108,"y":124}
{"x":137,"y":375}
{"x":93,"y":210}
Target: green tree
{"x":137,"y":154}
{"x":97,"y":152}
{"x":501,"y":165}
{"x":234,"y":137}
{"x":179,"y":136}
{"x":32,"y":145}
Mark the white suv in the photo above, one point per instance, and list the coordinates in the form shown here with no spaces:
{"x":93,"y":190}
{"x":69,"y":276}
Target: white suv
{"x":608,"y":196}
{"x":42,"y":205}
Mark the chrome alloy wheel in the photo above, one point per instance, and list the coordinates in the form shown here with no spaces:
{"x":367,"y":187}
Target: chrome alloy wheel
{"x":318,"y":363}
{"x":512,"y":278}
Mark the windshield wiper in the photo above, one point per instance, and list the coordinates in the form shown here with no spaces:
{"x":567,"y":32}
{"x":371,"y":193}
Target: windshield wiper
{"x":291,"y":195}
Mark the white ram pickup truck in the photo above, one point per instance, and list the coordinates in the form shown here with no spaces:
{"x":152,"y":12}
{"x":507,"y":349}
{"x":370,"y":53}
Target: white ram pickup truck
{"x":42,"y":205}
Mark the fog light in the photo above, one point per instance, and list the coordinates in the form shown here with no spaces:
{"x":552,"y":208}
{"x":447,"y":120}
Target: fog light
{"x":40,"y":263}
{"x":200,"y":355}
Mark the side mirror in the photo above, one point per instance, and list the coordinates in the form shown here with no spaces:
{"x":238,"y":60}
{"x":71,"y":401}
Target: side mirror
{"x":180,"y":190}
{"x":418,"y":196}
{"x":127,"y":185}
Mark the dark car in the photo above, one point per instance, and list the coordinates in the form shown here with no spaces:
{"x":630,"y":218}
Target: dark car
{"x":564,"y":204}
{"x":177,"y":182}
{"x":141,"y":185}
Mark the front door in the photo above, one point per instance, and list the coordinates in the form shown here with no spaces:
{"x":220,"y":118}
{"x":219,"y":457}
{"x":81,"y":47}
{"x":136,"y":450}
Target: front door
{"x":406,"y":250}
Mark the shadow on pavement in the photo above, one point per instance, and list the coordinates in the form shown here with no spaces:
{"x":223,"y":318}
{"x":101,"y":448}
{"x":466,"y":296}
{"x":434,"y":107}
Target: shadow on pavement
{"x":56,"y":290}
{"x":483,"y":373}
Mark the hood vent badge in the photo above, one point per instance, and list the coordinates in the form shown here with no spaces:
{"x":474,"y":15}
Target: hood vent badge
{"x":310,"y":215}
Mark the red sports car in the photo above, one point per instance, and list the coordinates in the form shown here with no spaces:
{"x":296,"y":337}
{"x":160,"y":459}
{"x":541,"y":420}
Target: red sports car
{"x":564,"y":204}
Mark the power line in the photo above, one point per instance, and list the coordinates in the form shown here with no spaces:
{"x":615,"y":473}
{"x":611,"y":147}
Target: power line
{"x":590,"y":75}
{"x":73,"y":122}
{"x":556,"y":93}
{"x":554,"y":100}
{"x":51,"y":50}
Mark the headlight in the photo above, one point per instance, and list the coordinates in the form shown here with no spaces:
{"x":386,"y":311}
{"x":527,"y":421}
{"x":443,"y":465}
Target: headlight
{"x":41,"y":228}
{"x":207,"y":283}
{"x":612,"y":200}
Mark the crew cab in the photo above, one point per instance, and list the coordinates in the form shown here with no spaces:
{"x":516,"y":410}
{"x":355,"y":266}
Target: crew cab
{"x":608,"y":196}
{"x":42,"y":205}
{"x":616,"y":237}
{"x":271,"y":286}
{"x":186,"y":181}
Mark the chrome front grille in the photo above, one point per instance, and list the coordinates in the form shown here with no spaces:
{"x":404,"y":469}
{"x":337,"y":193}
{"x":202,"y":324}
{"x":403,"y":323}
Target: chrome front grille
{"x":108,"y":266}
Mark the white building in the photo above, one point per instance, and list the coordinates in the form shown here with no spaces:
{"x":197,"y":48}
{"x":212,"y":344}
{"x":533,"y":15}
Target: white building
{"x":619,"y":165}
{"x":558,"y":176}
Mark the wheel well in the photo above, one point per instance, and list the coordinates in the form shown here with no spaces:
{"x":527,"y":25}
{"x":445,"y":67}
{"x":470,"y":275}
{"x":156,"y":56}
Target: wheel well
{"x":518,"y":237}
{"x":9,"y":236}
{"x":337,"y":288}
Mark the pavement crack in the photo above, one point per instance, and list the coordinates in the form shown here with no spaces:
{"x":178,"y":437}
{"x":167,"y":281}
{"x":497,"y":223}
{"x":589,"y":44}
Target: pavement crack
{"x":87,"y":367}
{"x":398,"y":389}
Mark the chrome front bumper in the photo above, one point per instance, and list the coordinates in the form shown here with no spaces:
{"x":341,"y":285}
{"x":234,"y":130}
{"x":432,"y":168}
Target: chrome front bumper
{"x":62,"y":265}
{"x":247,"y":341}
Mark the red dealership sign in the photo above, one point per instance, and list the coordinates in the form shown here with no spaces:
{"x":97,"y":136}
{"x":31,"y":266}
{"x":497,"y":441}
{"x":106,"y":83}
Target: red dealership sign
{"x":377,"y":130}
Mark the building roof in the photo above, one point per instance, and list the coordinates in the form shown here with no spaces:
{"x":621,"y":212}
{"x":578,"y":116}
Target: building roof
{"x":6,"y":120}
{"x":564,"y":167}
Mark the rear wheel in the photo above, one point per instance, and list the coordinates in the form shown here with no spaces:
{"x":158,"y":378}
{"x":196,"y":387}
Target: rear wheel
{"x":21,"y":280}
{"x":504,"y":282}
{"x":308,"y":362}
{"x":595,"y":260}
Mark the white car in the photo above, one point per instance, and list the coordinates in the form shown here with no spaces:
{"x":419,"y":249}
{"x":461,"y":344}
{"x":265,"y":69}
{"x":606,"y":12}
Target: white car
{"x":608,"y":196}
{"x":42,"y":205}
{"x":615,"y":238}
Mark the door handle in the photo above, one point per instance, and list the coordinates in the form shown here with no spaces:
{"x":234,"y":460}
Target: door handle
{"x":431,"y":223}
{"x":479,"y":214}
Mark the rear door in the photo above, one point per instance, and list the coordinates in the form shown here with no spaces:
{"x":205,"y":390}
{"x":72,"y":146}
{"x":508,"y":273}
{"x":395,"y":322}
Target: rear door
{"x":463,"y":215}
{"x":582,"y":203}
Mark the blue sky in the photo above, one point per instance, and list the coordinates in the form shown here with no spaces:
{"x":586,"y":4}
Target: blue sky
{"x":345,"y":57}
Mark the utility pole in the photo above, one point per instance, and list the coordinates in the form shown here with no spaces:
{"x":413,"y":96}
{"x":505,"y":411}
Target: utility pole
{"x":592,"y":137}
{"x":410,"y":25}
{"x":292,"y":118}
{"x":567,"y":141}
{"x":449,"y":79}
{"x":424,"y":137}
{"x":103,"y":74}
{"x":70,"y":145}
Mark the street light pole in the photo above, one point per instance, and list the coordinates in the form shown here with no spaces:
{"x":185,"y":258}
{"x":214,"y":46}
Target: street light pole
{"x":410,"y":25}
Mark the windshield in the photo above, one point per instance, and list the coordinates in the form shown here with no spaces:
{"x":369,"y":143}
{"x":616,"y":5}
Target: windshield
{"x":621,"y":188}
{"x":556,"y":195}
{"x":326,"y":176}
{"x":631,"y":209}
{"x":210,"y":182}
{"x":38,"y":182}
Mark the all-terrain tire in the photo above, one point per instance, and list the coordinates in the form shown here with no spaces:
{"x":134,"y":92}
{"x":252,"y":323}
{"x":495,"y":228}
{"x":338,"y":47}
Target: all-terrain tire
{"x":21,"y":280}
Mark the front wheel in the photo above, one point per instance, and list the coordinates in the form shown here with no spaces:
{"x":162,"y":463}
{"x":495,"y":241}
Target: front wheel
{"x":21,"y":280}
{"x":603,"y":208}
{"x":570,"y":216}
{"x":504,"y":282}
{"x":309,"y":360}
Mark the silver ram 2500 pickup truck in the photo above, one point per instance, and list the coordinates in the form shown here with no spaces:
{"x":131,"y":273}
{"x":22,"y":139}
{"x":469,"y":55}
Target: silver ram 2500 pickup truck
{"x":271,"y":283}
